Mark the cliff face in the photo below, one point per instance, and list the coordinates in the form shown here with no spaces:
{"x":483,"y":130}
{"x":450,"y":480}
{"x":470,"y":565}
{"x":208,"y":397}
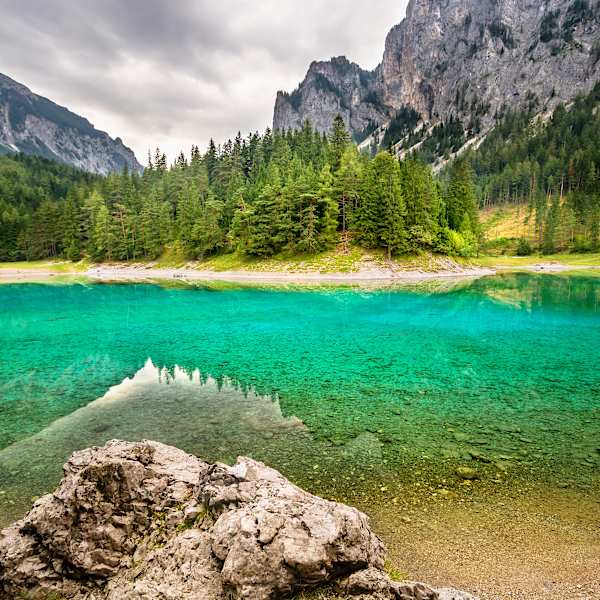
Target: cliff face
{"x":331,"y":88}
{"x":464,"y":58}
{"x":34,"y":125}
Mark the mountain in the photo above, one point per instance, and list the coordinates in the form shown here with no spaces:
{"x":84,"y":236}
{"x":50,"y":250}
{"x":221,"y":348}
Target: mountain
{"x":455,"y":62}
{"x":35,"y":125}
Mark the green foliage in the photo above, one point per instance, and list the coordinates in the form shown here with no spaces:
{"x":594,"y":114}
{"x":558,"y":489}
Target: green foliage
{"x":403,"y":123}
{"x":339,"y":139}
{"x":282,"y":193}
{"x":549,"y":26}
{"x":423,"y":203}
{"x":461,"y":245}
{"x":524,"y":248}
{"x":461,"y":200}
{"x":445,"y":139}
{"x":380,"y":220}
{"x":551,"y":165}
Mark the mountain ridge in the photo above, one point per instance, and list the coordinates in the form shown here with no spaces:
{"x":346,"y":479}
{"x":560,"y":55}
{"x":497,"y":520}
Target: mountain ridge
{"x":35,"y":125}
{"x":469,"y":60}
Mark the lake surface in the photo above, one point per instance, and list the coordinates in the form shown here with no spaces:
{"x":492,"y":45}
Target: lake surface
{"x":356,"y":394}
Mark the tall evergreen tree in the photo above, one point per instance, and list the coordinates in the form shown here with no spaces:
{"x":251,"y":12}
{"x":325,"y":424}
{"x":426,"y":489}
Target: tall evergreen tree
{"x":339,"y":140}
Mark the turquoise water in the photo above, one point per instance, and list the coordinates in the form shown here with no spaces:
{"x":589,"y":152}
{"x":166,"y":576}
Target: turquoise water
{"x":500,"y":374}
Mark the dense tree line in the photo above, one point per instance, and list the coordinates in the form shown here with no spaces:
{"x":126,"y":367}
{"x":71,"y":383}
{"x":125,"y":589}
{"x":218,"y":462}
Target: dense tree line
{"x":552,"y":164}
{"x":297,"y":192}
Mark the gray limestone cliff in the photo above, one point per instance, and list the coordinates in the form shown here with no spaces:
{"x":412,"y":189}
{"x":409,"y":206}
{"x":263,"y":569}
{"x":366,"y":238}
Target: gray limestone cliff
{"x":466,"y":59}
{"x":34,"y":125}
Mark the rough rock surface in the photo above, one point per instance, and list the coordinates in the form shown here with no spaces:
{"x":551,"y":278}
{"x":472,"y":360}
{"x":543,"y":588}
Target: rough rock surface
{"x":375,"y":585}
{"x":143,"y":521}
{"x":34,"y":125}
{"x":460,"y":58}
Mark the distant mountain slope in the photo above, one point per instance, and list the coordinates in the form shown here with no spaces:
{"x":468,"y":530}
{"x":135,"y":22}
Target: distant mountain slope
{"x":464,"y":61}
{"x":35,"y":125}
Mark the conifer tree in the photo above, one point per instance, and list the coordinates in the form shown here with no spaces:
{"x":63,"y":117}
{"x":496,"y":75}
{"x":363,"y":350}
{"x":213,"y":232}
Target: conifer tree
{"x":339,"y":139}
{"x":103,"y":235}
{"x":207,"y":234}
{"x":346,"y":186}
{"x":380,"y":217}
{"x":423,"y":204}
{"x":71,"y":229}
{"x":461,"y":200}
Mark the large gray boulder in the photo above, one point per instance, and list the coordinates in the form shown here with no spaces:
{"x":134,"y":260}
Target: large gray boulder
{"x":146,"y":521}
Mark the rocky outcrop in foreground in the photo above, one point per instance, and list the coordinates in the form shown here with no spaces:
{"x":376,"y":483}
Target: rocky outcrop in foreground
{"x":145,"y":521}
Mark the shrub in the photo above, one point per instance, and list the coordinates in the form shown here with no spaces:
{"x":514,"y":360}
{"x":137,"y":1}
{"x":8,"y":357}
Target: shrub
{"x":549,"y":26}
{"x":524,"y":248}
{"x":460,"y":244}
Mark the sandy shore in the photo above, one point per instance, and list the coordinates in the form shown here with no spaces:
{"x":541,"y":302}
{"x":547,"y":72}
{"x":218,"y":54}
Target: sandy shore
{"x":108,"y":273}
{"x":145,"y":273}
{"x":31,"y":275}
{"x":374,"y":275}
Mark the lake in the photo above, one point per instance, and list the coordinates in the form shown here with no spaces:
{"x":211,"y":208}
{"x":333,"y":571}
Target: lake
{"x":431,"y":400}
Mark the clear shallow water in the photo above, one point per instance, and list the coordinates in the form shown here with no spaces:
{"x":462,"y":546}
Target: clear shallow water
{"x":341,"y":389}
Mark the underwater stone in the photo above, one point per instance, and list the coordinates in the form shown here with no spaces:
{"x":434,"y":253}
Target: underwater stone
{"x":467,"y":473}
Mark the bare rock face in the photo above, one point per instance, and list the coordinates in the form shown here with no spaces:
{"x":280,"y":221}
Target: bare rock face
{"x":34,"y":125}
{"x":469,"y":59}
{"x":331,"y":88}
{"x":145,"y":521}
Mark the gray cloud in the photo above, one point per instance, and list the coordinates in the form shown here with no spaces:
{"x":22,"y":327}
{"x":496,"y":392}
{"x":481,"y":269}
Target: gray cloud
{"x":171,"y":74}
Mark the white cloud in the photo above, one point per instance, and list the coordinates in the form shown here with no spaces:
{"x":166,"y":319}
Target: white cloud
{"x":172,"y":74}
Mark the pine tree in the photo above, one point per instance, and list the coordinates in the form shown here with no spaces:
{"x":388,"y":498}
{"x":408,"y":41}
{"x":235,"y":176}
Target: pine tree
{"x":346,"y":186}
{"x":328,"y":210}
{"x":103,"y":235}
{"x":339,"y":140}
{"x":423,"y":205}
{"x":189,"y":209}
{"x":155,"y":226}
{"x":380,"y":217}
{"x":208,"y":235}
{"x":551,"y":227}
{"x":461,"y":200}
{"x":71,"y":229}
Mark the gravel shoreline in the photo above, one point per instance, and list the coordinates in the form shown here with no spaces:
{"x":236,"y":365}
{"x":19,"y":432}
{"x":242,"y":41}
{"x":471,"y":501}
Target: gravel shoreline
{"x":142,"y":272}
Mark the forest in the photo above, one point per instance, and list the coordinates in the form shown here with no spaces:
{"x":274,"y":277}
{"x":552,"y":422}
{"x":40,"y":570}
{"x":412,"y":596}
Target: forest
{"x":553,"y":165}
{"x":306,"y":192}
{"x":296,"y":191}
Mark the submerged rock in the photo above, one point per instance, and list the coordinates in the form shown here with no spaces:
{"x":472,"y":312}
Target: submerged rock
{"x":467,"y":473}
{"x":143,"y":521}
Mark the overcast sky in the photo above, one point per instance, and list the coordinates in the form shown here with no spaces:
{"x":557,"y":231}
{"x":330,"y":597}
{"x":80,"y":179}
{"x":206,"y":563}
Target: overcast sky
{"x":173,"y":73}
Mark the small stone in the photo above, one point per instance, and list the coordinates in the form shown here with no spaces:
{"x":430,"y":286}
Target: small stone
{"x":467,"y":473}
{"x":475,"y":455}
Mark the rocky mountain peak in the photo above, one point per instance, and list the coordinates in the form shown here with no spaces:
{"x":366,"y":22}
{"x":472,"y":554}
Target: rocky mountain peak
{"x":469,"y":60}
{"x":35,"y":125}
